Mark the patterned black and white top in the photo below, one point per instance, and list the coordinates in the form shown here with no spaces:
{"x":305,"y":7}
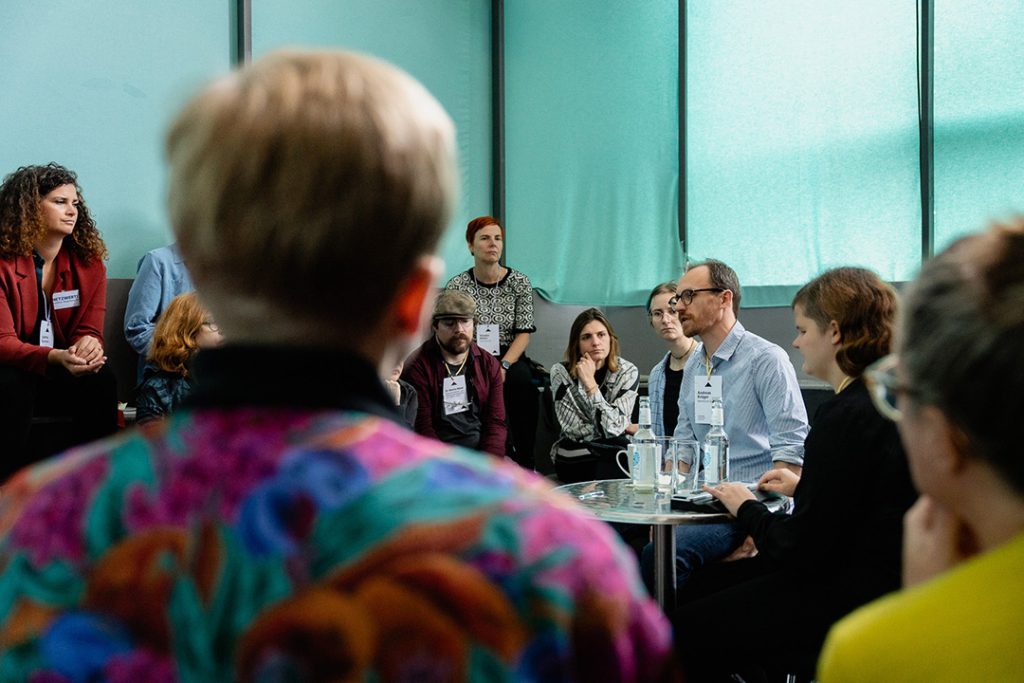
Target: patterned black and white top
{"x":507,"y":303}
{"x":606,"y":413}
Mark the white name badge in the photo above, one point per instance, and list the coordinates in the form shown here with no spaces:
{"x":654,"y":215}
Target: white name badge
{"x":45,"y":334}
{"x":68,"y":299}
{"x":488,"y":338}
{"x":705,"y":390}
{"x":456,"y":398}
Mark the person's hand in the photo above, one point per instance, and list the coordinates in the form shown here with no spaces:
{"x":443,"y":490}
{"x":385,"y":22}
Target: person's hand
{"x":585,"y":369}
{"x":934,"y":541}
{"x":395,"y":389}
{"x":731,"y":494}
{"x":779,"y":480}
{"x":746,"y":550}
{"x":87,"y":348}
{"x":74,"y":363}
{"x":503,"y":374}
{"x":632,"y":429}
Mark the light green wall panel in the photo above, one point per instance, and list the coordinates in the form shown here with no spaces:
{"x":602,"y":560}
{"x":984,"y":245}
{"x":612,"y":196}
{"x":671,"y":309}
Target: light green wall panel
{"x":593,"y":147}
{"x":443,"y":43}
{"x":92,"y":85}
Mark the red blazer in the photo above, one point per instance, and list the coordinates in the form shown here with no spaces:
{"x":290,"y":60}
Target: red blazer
{"x":19,"y":307}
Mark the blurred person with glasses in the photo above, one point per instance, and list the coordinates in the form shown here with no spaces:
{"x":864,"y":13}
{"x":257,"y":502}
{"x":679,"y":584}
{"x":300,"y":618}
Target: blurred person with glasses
{"x":666,"y":376}
{"x":765,"y":416}
{"x":956,"y":390}
{"x":831,"y":555}
{"x":458,"y":385}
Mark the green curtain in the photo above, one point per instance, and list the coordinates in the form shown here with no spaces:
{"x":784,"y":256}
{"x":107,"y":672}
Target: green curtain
{"x":445,"y":44}
{"x":802,"y":140}
{"x":979,"y":115}
{"x":592,"y":147}
{"x":92,"y":86}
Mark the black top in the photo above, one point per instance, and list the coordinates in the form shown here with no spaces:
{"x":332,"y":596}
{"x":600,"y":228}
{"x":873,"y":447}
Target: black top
{"x":670,"y":408}
{"x":408,"y":403}
{"x":461,"y":429}
{"x":299,"y":377}
{"x":849,"y":504}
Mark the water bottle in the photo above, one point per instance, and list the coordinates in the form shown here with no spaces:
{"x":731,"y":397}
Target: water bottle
{"x":716,"y":447}
{"x":646,"y":454}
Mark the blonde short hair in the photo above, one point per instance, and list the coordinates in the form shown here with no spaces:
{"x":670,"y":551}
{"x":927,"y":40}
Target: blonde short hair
{"x":306,"y":185}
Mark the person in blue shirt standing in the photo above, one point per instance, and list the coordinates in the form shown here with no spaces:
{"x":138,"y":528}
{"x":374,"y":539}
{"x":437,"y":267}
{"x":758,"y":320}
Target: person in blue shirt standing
{"x":161,"y":276}
{"x":765,"y":416}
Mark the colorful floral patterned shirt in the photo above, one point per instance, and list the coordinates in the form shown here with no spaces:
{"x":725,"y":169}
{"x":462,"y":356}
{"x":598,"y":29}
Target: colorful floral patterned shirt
{"x":245,"y":540}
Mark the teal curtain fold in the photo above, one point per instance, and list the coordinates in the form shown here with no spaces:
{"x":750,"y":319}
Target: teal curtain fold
{"x":802,"y":141}
{"x":979,"y":115}
{"x":592,"y":147}
{"x":445,"y":44}
{"x":93,"y":87}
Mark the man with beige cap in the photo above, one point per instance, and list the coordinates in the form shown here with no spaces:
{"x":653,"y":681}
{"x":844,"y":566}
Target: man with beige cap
{"x":459,"y":386}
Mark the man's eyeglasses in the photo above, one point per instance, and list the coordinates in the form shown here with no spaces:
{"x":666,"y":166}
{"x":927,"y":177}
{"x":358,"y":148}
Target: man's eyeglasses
{"x":685,"y":297}
{"x":454,"y":323}
{"x":885,"y":387}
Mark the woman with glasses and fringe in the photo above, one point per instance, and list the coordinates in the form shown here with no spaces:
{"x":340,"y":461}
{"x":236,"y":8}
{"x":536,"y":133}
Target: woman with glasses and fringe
{"x":840,"y":548}
{"x":956,"y":392}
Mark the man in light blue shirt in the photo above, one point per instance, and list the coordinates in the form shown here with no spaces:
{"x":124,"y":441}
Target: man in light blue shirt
{"x":161,"y":276}
{"x":765,"y":417}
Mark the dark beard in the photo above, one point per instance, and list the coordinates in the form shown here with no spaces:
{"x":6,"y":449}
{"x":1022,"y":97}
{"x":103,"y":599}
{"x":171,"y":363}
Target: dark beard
{"x":450,"y":345}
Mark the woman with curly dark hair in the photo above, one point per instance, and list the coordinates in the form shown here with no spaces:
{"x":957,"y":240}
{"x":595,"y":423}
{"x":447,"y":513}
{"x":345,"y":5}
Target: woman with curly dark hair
{"x":841,"y":546}
{"x":181,"y":331}
{"x":52,"y":299}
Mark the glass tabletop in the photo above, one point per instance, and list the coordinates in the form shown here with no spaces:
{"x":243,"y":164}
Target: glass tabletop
{"x":615,"y":500}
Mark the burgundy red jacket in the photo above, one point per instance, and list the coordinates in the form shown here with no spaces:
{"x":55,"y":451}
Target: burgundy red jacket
{"x":426,"y":372}
{"x":19,"y":307}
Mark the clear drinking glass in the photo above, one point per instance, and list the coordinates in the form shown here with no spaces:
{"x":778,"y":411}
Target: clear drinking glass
{"x":674,"y":455}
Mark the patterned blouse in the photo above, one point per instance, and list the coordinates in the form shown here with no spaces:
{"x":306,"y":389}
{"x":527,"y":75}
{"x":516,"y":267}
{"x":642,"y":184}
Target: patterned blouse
{"x":507,"y":303}
{"x":240,"y":540}
{"x":606,"y":413}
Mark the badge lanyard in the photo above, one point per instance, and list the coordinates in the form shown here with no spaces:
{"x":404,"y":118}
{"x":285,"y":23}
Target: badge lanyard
{"x":488,"y":335}
{"x":45,"y":323}
{"x":455,"y":397}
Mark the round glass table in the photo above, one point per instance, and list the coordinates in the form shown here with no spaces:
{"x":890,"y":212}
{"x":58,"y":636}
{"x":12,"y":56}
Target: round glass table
{"x":615,"y":500}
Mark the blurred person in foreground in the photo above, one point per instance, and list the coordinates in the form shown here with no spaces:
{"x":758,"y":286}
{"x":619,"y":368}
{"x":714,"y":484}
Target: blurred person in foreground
{"x":956,"y":392}
{"x":284,"y":525}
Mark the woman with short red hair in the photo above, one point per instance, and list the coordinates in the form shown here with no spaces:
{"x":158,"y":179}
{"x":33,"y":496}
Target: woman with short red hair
{"x":504,"y":304}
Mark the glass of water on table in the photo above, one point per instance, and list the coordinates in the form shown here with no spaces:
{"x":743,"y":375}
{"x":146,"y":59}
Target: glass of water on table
{"x":677,"y":456}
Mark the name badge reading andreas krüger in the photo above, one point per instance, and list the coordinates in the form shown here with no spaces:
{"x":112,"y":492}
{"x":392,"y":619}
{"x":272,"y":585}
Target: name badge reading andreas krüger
{"x":705,"y":390}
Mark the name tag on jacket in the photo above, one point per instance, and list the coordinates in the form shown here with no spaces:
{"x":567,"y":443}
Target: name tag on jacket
{"x":68,"y":299}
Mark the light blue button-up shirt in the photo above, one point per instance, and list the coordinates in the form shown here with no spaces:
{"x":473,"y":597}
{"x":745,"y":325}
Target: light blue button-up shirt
{"x":161,"y":276}
{"x":765,"y":417}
